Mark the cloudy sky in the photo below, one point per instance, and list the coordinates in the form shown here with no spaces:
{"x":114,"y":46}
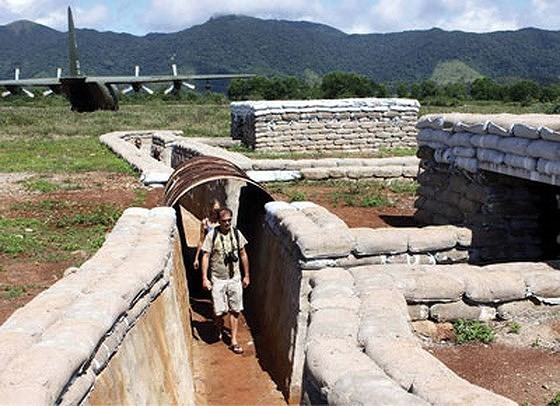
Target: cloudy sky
{"x":140,"y":17}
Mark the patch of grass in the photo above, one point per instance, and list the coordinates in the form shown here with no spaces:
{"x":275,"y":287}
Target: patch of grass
{"x":293,"y":191}
{"x":43,"y":205}
{"x":104,"y":215}
{"x":15,"y":239}
{"x":361,"y":194}
{"x":39,"y":185}
{"x":242,"y":149}
{"x":52,"y":139}
{"x":472,"y":330}
{"x":54,"y":238}
{"x":67,"y":184}
{"x":140,"y":197}
{"x":59,"y":156}
{"x":403,"y":187}
{"x":397,"y":151}
{"x":321,"y":154}
{"x":297,"y":196}
{"x":76,"y":238}
{"x":13,"y":291}
{"x":375,"y":201}
{"x":488,"y":107}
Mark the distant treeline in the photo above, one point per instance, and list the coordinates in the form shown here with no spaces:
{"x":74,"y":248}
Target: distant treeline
{"x":336,"y":85}
{"x":341,"y":85}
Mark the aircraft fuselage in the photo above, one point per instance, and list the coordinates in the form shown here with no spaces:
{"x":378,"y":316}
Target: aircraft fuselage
{"x":85,"y":96}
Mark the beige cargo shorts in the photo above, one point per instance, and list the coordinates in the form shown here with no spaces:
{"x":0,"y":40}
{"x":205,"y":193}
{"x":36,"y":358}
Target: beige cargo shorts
{"x":227,"y":295}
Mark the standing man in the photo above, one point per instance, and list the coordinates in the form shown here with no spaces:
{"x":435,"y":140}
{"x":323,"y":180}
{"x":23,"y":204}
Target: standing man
{"x":223,"y":250}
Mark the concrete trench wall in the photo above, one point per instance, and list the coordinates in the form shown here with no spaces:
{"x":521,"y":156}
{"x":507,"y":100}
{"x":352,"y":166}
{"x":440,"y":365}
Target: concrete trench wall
{"x":343,"y":125}
{"x":114,"y":331}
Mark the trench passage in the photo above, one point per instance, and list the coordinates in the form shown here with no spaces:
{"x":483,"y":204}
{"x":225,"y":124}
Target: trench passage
{"x":220,"y":376}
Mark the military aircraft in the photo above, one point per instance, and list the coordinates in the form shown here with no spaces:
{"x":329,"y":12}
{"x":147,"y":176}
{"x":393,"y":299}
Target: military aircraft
{"x":90,"y":93}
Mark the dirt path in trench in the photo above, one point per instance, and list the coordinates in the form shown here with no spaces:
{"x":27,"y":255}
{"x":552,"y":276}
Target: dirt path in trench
{"x":222,"y":377}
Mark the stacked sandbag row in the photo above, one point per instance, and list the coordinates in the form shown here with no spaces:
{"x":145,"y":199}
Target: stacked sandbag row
{"x":385,"y":169}
{"x":482,"y":172}
{"x":322,"y":239}
{"x":511,"y":145}
{"x":360,"y":348}
{"x":343,"y":125}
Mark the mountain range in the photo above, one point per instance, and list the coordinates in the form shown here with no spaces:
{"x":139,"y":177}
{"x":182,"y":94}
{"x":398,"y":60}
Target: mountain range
{"x":240,"y":44}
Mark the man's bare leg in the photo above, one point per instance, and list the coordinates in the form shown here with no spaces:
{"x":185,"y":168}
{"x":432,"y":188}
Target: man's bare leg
{"x":219,"y":322}
{"x":234,"y":321}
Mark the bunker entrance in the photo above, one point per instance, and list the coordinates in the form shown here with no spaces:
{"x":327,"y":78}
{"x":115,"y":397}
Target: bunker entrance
{"x":192,"y":190}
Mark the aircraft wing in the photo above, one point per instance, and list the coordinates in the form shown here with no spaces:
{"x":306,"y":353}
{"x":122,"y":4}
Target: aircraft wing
{"x":30,"y":82}
{"x":130,"y":80}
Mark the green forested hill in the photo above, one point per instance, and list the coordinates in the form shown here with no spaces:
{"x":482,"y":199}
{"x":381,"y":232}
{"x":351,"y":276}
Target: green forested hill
{"x":273,"y":47}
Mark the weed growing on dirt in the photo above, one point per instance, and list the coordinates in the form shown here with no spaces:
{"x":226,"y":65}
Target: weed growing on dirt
{"x":13,"y":291}
{"x":472,"y":330}
{"x":514,"y":327}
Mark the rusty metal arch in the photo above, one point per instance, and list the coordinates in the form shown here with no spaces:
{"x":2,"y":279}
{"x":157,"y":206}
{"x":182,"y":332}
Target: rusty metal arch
{"x":199,"y":170}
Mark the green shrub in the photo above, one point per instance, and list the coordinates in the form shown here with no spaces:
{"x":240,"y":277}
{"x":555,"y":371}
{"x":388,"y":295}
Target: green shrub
{"x":472,"y":330}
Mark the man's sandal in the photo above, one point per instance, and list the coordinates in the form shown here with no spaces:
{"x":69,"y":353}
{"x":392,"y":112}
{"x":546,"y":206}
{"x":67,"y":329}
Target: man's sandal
{"x":236,"y":348}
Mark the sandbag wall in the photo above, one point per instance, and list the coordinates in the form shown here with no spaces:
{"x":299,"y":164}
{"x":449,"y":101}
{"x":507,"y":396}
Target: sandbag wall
{"x":114,"y":331}
{"x":327,"y":289}
{"x":497,"y":175}
{"x":343,"y":125}
{"x":300,"y":238}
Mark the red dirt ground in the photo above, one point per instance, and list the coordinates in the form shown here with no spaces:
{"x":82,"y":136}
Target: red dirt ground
{"x":526,"y":373}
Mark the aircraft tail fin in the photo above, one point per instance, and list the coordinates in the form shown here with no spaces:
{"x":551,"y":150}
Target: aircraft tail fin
{"x":72,"y":47}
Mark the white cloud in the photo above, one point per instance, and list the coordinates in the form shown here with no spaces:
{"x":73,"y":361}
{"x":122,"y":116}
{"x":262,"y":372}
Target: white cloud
{"x":169,"y":15}
{"x":351,"y":16}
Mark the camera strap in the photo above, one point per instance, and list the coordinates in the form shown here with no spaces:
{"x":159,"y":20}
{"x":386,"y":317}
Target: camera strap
{"x":235,"y":233}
